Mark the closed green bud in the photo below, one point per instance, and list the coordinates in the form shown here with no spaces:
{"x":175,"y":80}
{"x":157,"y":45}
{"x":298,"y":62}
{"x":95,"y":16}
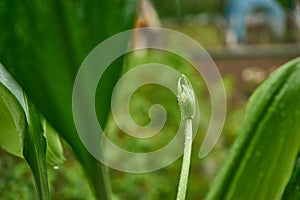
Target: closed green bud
{"x":186,"y":97}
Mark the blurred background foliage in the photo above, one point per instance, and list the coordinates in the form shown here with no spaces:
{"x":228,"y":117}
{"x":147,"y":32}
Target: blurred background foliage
{"x":67,"y":181}
{"x":203,"y":21}
{"x":189,"y":7}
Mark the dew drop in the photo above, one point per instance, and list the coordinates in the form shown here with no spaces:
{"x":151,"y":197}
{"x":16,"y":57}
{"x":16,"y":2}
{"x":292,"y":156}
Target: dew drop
{"x":56,"y":167}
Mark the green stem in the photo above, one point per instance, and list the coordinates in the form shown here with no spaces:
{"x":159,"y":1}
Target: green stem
{"x":184,"y":175}
{"x":186,"y":101}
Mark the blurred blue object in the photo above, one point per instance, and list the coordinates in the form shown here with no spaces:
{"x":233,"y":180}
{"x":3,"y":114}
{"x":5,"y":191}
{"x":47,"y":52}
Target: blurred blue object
{"x":237,"y":11}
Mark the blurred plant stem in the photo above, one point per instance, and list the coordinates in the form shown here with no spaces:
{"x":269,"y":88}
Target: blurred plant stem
{"x":186,"y":101}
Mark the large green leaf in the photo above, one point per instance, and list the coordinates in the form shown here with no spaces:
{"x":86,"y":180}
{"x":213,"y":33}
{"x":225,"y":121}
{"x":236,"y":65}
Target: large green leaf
{"x":43,"y":45}
{"x":13,"y":121}
{"x":262,"y":158}
{"x":22,"y":132}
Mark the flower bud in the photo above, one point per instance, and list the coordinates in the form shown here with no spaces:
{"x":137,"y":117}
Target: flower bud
{"x":186,"y":97}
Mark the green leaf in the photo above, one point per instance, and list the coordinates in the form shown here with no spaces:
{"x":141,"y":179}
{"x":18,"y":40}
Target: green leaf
{"x":54,"y":154}
{"x":35,"y":150}
{"x":292,"y":190}
{"x":43,"y":45}
{"x":262,"y":158}
{"x":13,"y":121}
{"x":12,"y":117}
{"x":21,"y":132}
